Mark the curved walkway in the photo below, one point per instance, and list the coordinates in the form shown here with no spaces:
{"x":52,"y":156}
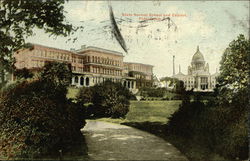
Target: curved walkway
{"x":107,"y":141}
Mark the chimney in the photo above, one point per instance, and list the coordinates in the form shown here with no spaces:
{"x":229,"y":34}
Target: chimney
{"x":173,"y":66}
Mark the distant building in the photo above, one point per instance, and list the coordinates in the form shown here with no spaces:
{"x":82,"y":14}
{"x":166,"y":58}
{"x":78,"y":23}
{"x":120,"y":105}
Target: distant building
{"x":156,"y":82}
{"x":90,"y":65}
{"x":143,"y":73}
{"x":198,"y":77}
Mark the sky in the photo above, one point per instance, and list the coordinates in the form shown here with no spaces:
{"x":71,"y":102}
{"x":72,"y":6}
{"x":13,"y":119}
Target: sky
{"x":210,"y":24}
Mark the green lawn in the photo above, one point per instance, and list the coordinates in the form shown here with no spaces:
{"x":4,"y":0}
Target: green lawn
{"x":72,"y":92}
{"x":148,"y":111}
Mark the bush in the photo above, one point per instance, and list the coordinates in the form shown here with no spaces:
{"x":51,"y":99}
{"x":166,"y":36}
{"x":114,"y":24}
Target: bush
{"x":222,"y":127}
{"x":36,"y":119}
{"x":85,"y":95}
{"x":23,"y":73}
{"x":152,"y":92}
{"x":176,"y":97}
{"x":108,"y":99}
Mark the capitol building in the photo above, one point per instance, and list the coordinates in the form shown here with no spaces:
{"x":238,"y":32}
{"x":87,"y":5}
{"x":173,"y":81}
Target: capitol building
{"x":198,"y":77}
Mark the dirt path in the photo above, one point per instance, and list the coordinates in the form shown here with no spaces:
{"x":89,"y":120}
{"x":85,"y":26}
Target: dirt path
{"x":107,"y":141}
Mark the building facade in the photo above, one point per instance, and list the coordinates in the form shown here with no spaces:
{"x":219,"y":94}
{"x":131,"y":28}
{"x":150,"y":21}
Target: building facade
{"x":143,"y":73}
{"x":90,"y":65}
{"x":198,"y":77}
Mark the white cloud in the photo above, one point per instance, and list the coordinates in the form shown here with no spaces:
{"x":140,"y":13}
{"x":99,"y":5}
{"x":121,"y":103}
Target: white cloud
{"x":87,"y":10}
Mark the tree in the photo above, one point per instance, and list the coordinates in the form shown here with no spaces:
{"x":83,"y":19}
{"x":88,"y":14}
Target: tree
{"x":18,"y":19}
{"x":178,"y":84}
{"x":58,"y":73}
{"x":235,"y":64}
{"x":233,"y":98}
{"x":108,"y":99}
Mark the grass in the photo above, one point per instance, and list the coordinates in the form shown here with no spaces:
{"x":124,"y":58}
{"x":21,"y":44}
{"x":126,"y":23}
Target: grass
{"x":147,"y":111}
{"x":152,"y":116}
{"x":72,"y":92}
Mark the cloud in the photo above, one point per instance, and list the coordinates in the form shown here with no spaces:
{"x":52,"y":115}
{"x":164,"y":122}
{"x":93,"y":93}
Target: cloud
{"x":87,"y":10}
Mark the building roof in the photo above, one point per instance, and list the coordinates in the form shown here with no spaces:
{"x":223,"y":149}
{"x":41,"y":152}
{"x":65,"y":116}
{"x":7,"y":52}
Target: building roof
{"x":80,"y":50}
{"x":138,"y":64}
{"x":178,"y":75}
{"x":43,"y":46}
{"x":216,"y":74}
{"x":198,"y":57}
{"x":84,"y":49}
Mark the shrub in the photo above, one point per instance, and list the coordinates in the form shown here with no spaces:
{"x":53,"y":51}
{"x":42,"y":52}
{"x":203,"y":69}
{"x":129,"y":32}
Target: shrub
{"x":152,"y":92}
{"x":36,"y":119}
{"x":23,"y":73}
{"x":220,"y":127}
{"x":85,"y":95}
{"x":108,"y":99}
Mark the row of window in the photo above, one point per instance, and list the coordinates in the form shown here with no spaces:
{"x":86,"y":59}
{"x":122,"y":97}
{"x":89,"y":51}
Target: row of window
{"x":106,"y":71}
{"x":81,"y":80}
{"x":95,"y":59}
{"x":37,"y":63}
{"x":97,"y":70}
{"x":86,"y":81}
{"x":203,"y":80}
{"x":51,"y":54}
{"x":205,"y":86}
{"x":141,"y":68}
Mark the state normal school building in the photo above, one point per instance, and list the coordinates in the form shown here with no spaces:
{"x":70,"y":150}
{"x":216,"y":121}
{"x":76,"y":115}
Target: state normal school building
{"x":90,"y":65}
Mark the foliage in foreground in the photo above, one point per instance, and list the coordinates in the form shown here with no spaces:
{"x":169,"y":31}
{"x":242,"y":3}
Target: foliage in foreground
{"x":107,"y":99}
{"x":36,"y":119}
{"x":221,"y":123}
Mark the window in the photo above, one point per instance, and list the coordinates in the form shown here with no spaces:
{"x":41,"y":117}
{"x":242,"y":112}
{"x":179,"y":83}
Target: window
{"x":87,"y":81}
{"x":76,"y":79}
{"x":81,"y":81}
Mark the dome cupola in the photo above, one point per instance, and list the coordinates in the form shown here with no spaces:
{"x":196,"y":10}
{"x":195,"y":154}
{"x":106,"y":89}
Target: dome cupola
{"x":198,"y":57}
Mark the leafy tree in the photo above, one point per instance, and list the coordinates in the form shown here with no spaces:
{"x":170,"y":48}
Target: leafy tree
{"x":58,"y":73}
{"x":235,"y":64}
{"x":232,"y":100}
{"x":108,"y":99}
{"x":178,"y":84}
{"x":18,"y":18}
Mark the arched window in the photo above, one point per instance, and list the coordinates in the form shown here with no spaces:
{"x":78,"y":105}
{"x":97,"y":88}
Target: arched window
{"x":76,"y":79}
{"x":87,"y":81}
{"x":125,"y":83}
{"x":81,"y":81}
